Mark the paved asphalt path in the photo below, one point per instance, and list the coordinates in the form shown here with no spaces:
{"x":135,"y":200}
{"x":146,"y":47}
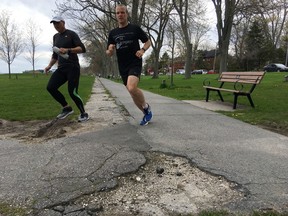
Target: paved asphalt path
{"x":255,"y":158}
{"x":52,"y":173}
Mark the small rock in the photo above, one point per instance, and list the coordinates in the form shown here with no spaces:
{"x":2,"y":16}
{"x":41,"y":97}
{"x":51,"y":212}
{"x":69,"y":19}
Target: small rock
{"x":159,"y":170}
{"x":91,"y":209}
{"x":59,"y":208}
{"x":141,"y":197}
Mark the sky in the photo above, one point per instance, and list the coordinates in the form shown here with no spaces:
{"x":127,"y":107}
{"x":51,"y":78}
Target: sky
{"x":41,"y":11}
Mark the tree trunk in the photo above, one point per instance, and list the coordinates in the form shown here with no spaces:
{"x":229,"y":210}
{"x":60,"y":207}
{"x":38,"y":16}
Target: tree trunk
{"x":188,"y":61}
{"x":9,"y":70}
{"x":223,"y":48}
{"x":224,"y":27}
{"x":156,"y":63}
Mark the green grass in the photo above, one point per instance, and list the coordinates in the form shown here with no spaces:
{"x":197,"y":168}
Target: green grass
{"x":270,"y":97}
{"x":24,"y":97}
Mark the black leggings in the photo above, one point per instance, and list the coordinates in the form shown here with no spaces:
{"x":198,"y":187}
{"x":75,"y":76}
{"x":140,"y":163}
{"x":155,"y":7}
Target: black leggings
{"x":71,"y":74}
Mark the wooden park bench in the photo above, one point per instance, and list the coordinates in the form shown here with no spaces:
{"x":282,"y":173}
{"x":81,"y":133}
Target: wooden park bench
{"x":241,"y":84}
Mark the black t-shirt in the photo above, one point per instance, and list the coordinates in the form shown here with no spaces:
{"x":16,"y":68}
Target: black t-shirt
{"x":67,"y":39}
{"x":126,"y":41}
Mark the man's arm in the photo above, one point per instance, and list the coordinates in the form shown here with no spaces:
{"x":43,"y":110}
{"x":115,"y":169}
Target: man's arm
{"x":76,"y":50}
{"x":146,"y":45}
{"x":51,"y":63}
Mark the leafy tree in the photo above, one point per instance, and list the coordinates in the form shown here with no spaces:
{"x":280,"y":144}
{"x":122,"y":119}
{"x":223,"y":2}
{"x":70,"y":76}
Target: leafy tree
{"x":255,"y":45}
{"x":149,"y":63}
{"x":164,"y":62}
{"x":273,"y":16}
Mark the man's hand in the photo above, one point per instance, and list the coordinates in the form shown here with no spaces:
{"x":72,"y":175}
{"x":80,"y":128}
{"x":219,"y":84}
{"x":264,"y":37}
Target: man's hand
{"x":110,"y":49}
{"x":47,"y":69}
{"x":61,"y":52}
{"x":140,"y":53}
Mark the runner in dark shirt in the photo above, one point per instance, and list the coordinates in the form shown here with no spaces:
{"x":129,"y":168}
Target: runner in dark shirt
{"x":66,"y":46}
{"x":125,"y":39}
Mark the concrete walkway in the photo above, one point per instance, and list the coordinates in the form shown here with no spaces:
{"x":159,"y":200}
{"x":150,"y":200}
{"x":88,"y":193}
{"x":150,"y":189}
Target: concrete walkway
{"x":254,"y":158}
{"x":52,"y":173}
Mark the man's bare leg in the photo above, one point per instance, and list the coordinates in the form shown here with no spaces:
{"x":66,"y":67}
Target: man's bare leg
{"x":136,"y":94}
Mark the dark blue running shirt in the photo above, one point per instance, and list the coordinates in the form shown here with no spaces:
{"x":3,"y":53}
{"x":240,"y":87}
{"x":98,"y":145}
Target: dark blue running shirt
{"x":126,"y":42}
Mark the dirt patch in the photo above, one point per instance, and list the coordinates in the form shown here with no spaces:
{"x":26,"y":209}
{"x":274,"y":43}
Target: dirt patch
{"x":274,"y":127}
{"x":166,"y":185}
{"x":35,"y":131}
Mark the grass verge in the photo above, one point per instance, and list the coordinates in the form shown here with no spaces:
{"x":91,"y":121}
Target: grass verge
{"x":24,"y":97}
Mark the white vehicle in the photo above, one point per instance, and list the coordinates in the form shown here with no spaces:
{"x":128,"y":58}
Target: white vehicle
{"x":200,"y":71}
{"x":180,"y":71}
{"x":275,"y":67}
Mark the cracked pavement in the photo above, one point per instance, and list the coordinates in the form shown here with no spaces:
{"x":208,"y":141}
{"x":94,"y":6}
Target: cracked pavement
{"x":58,"y":171}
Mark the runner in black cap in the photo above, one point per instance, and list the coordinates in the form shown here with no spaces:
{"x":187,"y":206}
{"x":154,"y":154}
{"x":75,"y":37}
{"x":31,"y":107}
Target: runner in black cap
{"x":66,"y":46}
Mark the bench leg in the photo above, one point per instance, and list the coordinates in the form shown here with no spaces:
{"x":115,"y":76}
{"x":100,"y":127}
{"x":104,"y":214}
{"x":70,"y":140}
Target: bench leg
{"x":235,"y":101}
{"x":207,"y":95}
{"x":250,"y":100}
{"x":221,"y":98}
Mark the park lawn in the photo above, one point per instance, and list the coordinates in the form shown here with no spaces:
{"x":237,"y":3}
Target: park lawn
{"x":270,"y":97}
{"x":24,"y":97}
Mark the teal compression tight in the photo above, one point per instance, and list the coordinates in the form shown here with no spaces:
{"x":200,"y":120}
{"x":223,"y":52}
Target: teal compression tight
{"x":71,"y":74}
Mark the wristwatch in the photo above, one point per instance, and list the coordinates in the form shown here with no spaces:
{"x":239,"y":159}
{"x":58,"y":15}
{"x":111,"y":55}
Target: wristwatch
{"x":143,"y":49}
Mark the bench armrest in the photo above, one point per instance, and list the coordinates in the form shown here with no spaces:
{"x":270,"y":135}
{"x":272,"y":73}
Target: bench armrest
{"x":208,"y":81}
{"x":238,"y":86}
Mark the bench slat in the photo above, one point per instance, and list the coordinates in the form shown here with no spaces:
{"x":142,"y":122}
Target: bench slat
{"x":222,"y":89}
{"x":256,"y":73}
{"x":241,"y":77}
{"x":248,"y":81}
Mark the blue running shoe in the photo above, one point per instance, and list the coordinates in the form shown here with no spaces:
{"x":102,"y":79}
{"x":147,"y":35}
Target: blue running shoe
{"x":147,"y":116}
